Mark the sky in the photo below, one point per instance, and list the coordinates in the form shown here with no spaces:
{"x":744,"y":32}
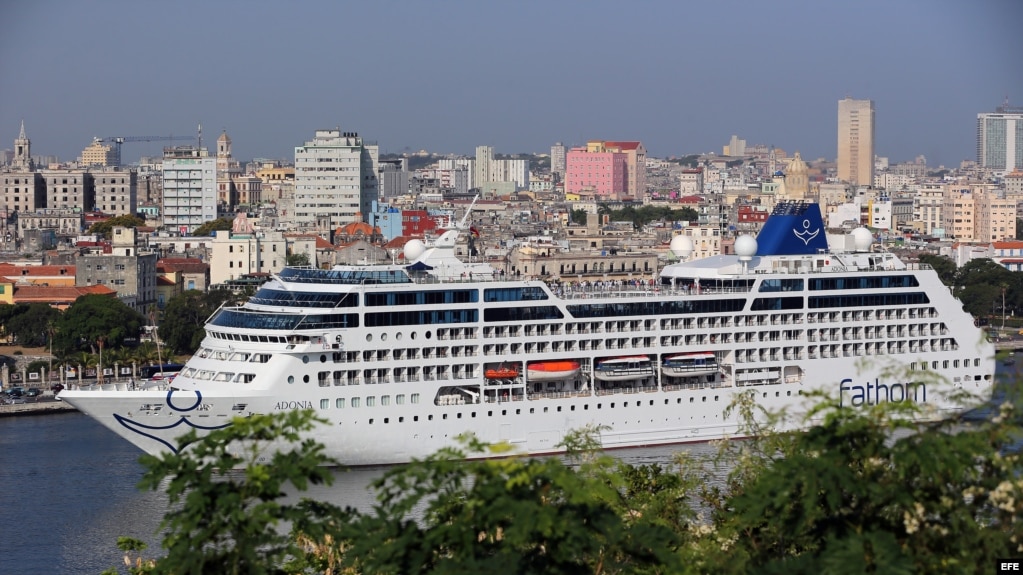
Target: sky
{"x":446,"y":76}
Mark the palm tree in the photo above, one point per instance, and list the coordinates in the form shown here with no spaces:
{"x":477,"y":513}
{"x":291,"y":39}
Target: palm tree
{"x":145,"y":354}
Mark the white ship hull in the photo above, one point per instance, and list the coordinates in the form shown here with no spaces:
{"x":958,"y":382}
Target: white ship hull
{"x":398,"y":378}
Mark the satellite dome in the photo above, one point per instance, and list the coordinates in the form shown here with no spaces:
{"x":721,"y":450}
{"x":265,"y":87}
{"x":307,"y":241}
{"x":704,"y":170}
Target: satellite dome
{"x":746,"y":247}
{"x":414,"y":249}
{"x":862,"y":238}
{"x":681,"y":246}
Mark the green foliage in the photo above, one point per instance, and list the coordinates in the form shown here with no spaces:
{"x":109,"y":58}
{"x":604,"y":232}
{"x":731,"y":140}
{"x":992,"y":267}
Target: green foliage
{"x":513,"y":515}
{"x":92,"y":317}
{"x":945,"y":267}
{"x":579,"y":217}
{"x":860,"y":490}
{"x":219,"y":224}
{"x":106,"y":227}
{"x":645,"y":214}
{"x":28,"y":324}
{"x":227,"y":495}
{"x":181,"y":327}
{"x":300,"y":259}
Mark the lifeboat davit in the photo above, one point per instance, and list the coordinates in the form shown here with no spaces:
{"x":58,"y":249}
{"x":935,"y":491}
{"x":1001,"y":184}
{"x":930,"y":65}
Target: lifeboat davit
{"x":552,"y":370}
{"x":501,"y":373}
{"x":624,"y":368}
{"x":690,"y":364}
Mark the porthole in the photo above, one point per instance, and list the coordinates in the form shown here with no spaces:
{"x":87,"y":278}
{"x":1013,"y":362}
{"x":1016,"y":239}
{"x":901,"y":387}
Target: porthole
{"x":305,"y":378}
{"x":369,"y":337}
{"x":323,"y":359}
{"x":429,"y":334}
{"x":291,"y":379}
{"x":383,"y":337}
{"x":305,"y":359}
{"x":413,"y":336}
{"x":397,"y":336}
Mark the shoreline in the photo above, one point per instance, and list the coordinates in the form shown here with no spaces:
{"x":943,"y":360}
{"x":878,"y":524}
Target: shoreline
{"x":35,"y":408}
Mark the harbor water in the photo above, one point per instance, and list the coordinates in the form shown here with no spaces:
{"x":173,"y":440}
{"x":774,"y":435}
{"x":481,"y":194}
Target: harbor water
{"x":68,"y":490}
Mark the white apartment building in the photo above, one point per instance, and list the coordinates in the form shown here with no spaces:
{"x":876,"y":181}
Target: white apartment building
{"x":235,"y":255}
{"x":189,"y":188}
{"x":335,"y":179}
{"x":927,"y":209}
{"x":1000,"y":141}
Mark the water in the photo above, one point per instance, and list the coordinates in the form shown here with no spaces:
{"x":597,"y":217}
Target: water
{"x":68,"y":490}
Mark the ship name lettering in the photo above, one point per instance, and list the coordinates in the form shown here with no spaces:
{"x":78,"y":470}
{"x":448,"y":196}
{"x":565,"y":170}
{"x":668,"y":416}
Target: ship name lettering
{"x":874,"y":393}
{"x":284,"y":405}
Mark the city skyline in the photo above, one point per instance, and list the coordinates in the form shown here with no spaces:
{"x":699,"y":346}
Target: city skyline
{"x":450,"y":76}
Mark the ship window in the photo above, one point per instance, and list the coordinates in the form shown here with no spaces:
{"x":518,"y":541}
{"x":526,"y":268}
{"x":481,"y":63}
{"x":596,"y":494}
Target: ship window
{"x":355,"y":402}
{"x":323,"y":359}
{"x":305,"y":378}
{"x":371,"y":421}
{"x":559,"y":408}
{"x":415,"y":398}
{"x":291,"y":379}
{"x":339,"y":403}
{"x":371,"y":401}
{"x":532,"y":410}
{"x":545,"y":410}
{"x":324,"y":404}
{"x":305,"y":359}
{"x":399,"y":399}
{"x":444,"y":416}
{"x":385,"y":400}
{"x":369,"y":336}
{"x":400,"y":420}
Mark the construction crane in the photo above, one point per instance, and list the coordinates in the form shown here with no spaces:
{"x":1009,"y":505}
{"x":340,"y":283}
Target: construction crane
{"x":118,"y":140}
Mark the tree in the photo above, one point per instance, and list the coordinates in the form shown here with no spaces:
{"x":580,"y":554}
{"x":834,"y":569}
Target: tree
{"x":579,"y":217}
{"x":871,"y":490}
{"x":106,"y":227}
{"x":945,"y":267}
{"x":181,"y":328}
{"x":299,"y":259}
{"x":94,"y":316}
{"x":27,"y":323}
{"x":227,"y":522}
{"x":512,"y":515}
{"x":862,"y":490}
{"x":219,"y":224}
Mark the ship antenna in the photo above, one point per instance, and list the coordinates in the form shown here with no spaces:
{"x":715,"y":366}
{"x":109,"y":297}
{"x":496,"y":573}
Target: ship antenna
{"x":461,"y":224}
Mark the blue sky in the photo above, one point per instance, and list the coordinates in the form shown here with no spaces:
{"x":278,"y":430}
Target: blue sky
{"x":446,"y":76}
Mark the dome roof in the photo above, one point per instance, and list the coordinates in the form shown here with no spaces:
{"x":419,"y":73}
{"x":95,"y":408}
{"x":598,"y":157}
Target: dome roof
{"x":796,"y":166}
{"x":224,"y":138}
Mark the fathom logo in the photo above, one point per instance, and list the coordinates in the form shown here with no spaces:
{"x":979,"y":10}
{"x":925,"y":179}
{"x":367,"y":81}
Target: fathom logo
{"x":877,"y":392}
{"x":284,"y":405}
{"x":806,"y":235}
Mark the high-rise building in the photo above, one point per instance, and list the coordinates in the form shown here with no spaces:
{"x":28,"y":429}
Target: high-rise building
{"x":336,"y":179}
{"x":484,"y":166}
{"x":189,"y":187}
{"x":558,"y":160}
{"x":1000,"y":139}
{"x":856,"y":141}
{"x":99,"y":154}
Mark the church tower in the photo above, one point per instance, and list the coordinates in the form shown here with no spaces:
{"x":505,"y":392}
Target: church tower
{"x":797,"y":179}
{"x":23,"y":152}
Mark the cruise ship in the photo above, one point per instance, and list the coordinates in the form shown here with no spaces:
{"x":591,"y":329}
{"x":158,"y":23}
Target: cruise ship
{"x":402,"y":359}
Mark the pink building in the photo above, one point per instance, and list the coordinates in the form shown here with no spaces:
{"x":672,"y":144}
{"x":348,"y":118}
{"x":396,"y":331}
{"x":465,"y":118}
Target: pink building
{"x":596,"y":171}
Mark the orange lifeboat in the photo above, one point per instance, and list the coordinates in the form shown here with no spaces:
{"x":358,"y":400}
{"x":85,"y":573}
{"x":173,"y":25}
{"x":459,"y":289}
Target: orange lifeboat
{"x":552,"y":370}
{"x":501,"y":373}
